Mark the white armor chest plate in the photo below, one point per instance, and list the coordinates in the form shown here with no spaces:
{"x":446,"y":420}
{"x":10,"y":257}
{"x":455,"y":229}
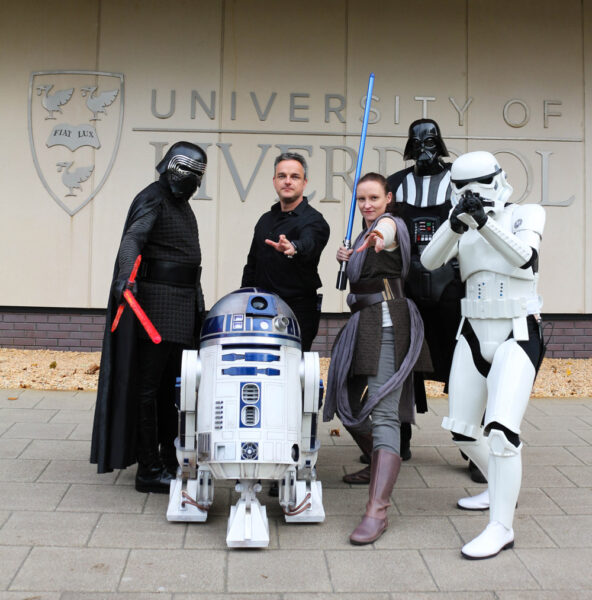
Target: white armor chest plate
{"x":495,"y":289}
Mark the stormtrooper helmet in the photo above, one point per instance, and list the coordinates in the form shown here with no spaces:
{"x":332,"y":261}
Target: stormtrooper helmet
{"x":184,"y":165}
{"x":480,"y":173}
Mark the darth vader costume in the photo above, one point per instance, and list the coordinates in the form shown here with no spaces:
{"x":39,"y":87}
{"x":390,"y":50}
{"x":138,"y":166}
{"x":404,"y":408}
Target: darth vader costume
{"x":135,"y":415}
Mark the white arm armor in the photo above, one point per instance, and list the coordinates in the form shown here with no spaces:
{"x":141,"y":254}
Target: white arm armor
{"x":517,"y":245}
{"x":442,"y":247}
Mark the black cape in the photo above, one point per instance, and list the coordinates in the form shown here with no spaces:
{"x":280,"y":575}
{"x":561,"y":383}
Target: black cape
{"x":113,"y":444}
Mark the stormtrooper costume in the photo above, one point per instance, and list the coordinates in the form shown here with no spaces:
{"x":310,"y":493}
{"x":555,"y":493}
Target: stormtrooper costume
{"x":499,"y":347}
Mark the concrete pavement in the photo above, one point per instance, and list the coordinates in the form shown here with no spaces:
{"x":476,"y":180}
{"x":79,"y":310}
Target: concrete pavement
{"x":67,"y":533}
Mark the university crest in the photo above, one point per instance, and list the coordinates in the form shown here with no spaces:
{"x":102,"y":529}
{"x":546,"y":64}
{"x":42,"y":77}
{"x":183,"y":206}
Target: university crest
{"x":75,"y":122}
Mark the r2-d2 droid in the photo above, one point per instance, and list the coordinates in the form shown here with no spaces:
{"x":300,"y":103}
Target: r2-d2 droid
{"x":248,"y":408}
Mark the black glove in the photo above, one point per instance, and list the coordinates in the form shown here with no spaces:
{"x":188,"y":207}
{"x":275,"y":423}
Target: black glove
{"x":119,"y":286}
{"x":470,"y":203}
{"x":455,"y":223}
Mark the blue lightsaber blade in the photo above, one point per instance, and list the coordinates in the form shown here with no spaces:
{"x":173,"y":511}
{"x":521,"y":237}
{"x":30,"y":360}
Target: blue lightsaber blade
{"x":341,"y":276}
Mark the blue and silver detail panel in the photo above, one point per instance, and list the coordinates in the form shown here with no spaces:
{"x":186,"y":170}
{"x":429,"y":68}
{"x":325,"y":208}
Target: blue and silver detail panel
{"x":250,"y":405}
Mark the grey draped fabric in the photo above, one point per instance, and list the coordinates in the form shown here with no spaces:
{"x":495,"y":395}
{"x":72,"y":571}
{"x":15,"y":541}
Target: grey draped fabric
{"x":337,"y":400}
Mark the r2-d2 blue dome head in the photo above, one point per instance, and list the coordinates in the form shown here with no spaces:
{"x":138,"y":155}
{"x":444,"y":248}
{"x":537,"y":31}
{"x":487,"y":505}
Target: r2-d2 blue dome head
{"x":251,"y":315}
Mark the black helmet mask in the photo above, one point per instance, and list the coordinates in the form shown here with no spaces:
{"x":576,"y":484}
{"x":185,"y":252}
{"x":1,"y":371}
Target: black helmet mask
{"x":425,"y":146}
{"x":183,"y":167}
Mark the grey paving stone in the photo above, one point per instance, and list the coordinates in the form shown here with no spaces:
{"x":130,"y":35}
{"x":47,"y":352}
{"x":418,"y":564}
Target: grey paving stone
{"x":73,"y":416}
{"x":559,"y":568}
{"x":546,"y":595}
{"x":27,"y":596}
{"x":115,"y":596}
{"x":425,"y":455}
{"x":75,"y":471}
{"x":82,"y":431}
{"x":574,"y":501}
{"x":563,"y":408}
{"x":431,"y":437}
{"x":437,"y":406}
{"x":40,"y":431}
{"x":68,"y":401}
{"x":36,"y":528}
{"x":137,"y":531}
{"x":73,"y":569}
{"x":229,"y":596}
{"x":4,"y":514}
{"x":379,"y":571}
{"x":275,"y":571}
{"x":534,"y":501}
{"x":174,"y":571}
{"x":549,"y":456}
{"x":444,"y":476}
{"x":341,"y":596}
{"x":582,"y":434}
{"x":11,"y":559}
{"x":405,"y":532}
{"x":580,"y":476}
{"x":333,"y":533}
{"x":559,"y":438}
{"x":101,"y":498}
{"x":10,"y":448}
{"x":568,"y":531}
{"x":25,"y":415}
{"x":454,"y":573}
{"x":545,"y":476}
{"x":433,"y":502}
{"x":545,"y":423}
{"x":527,"y":532}
{"x":409,"y":477}
{"x":583,"y":453}
{"x":331,"y":477}
{"x":445,"y":596}
{"x":345,"y":501}
{"x":12,"y":469}
{"x":31,"y":496}
{"x":24,"y":398}
{"x":60,"y":449}
{"x":339,"y":455}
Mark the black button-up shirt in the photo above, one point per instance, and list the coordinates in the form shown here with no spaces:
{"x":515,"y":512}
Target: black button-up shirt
{"x":272,"y":270}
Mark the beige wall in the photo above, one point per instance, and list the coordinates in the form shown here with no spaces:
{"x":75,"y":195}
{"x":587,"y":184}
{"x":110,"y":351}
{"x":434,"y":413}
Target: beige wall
{"x":513,"y":54}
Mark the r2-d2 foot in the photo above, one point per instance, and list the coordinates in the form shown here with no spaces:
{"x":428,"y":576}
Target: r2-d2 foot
{"x":248,"y":411}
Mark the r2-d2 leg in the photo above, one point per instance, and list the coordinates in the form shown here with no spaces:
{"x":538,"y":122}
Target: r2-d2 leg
{"x":301,"y":495}
{"x":192,"y":492}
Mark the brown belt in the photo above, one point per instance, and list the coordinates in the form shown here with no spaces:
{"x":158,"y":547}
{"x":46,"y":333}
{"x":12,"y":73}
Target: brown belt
{"x":373,"y":291}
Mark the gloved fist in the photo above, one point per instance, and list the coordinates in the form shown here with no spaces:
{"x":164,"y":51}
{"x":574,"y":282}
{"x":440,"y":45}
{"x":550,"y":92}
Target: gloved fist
{"x":455,"y":223}
{"x":119,"y":286}
{"x":470,"y":203}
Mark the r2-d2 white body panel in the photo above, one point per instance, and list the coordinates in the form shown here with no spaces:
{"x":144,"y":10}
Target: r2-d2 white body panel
{"x":248,"y":407}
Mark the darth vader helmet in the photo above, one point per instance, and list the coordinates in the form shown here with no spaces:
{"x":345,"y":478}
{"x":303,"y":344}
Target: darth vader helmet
{"x":480,"y":173}
{"x":184,"y":166}
{"x":425,"y":144}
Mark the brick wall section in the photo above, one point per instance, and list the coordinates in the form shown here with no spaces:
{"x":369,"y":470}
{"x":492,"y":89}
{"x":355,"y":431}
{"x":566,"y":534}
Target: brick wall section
{"x":82,"y":330}
{"x":60,"y":330}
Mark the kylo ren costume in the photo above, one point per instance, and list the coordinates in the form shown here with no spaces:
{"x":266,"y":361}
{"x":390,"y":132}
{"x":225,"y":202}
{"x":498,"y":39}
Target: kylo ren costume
{"x":135,"y":415}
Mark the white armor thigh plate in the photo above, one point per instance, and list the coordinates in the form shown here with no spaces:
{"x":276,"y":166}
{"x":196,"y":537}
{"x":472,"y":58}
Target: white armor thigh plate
{"x":467,"y":393}
{"x":491,"y":333}
{"x":509,"y":385}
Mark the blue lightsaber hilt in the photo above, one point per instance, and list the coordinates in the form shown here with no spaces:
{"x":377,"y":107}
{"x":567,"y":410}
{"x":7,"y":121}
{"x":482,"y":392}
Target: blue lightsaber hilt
{"x":341,"y":276}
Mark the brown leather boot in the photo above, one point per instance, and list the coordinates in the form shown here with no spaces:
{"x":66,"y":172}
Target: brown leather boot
{"x":364,"y":441}
{"x":385,"y":470}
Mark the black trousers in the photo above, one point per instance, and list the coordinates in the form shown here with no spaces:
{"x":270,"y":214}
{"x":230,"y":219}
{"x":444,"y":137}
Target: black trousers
{"x":308,"y":314}
{"x":160,"y":365}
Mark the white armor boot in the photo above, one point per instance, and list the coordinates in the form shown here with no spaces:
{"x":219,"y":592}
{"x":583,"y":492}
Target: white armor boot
{"x":504,"y":475}
{"x":478,"y":452}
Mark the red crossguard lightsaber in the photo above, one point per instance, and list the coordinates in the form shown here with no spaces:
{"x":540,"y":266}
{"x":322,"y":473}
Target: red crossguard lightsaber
{"x":129,"y":297}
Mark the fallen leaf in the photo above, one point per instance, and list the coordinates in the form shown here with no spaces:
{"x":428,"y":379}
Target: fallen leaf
{"x":335,"y":433}
{"x":53,"y":364}
{"x":92,"y":369}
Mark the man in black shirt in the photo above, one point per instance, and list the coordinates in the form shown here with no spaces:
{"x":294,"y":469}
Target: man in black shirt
{"x":287,"y":245}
